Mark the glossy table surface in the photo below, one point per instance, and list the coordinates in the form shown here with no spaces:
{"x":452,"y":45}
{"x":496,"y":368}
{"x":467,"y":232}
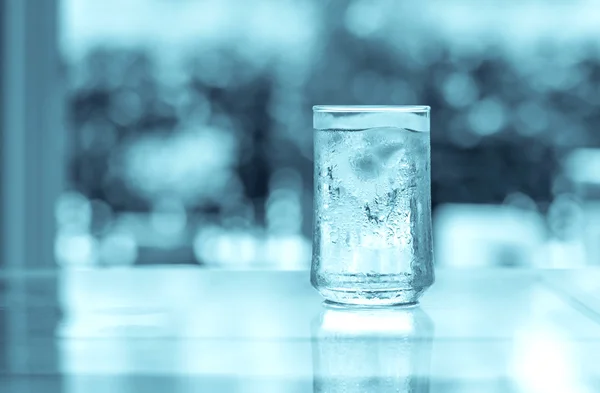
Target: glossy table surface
{"x":184,"y":329}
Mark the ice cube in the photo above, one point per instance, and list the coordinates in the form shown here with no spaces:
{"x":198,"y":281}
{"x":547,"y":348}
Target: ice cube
{"x":366,"y":166}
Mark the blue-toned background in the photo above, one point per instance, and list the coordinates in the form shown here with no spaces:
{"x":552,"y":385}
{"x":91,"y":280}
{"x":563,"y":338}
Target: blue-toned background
{"x":184,"y":127}
{"x":149,"y":148}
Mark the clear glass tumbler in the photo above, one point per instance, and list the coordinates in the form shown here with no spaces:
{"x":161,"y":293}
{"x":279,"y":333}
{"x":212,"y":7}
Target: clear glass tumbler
{"x":372,"y":218}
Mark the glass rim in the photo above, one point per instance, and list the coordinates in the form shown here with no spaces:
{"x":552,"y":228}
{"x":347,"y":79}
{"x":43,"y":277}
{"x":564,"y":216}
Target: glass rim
{"x":371,"y":108}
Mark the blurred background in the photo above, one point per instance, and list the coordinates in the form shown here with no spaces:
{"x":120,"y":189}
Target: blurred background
{"x":180,"y":132}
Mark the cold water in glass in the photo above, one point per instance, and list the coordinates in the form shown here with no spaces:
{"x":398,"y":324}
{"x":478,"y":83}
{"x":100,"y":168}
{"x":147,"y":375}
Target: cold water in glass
{"x":372,"y":220}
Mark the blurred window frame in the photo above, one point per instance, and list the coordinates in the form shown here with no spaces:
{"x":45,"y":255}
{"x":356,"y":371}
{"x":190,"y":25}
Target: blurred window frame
{"x":32,"y":132}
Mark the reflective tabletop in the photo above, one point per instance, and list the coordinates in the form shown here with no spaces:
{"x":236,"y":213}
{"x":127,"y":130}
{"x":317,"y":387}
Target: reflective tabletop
{"x":188,"y":329}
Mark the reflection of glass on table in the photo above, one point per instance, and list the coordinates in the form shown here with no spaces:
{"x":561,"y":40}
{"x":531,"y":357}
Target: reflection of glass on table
{"x":378,"y":350}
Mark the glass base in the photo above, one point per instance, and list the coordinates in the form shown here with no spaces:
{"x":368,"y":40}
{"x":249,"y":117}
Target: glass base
{"x":378,"y":297}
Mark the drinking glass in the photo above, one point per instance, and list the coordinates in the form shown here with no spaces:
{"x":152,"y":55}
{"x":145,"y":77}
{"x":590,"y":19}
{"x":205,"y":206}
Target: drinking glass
{"x":372,"y":217}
